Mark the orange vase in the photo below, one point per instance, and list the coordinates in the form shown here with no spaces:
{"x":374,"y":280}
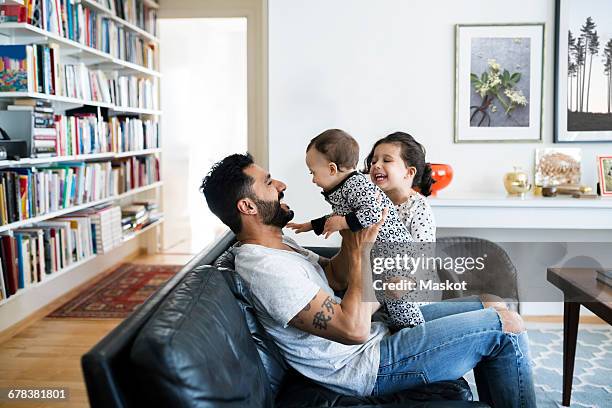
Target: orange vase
{"x":442,"y":174}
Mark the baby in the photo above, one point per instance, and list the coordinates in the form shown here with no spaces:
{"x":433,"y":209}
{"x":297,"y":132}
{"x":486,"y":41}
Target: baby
{"x":356,"y":203}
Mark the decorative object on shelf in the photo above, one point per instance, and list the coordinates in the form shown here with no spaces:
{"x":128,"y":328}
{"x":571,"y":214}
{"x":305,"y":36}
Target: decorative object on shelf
{"x":557,"y":166}
{"x":549,"y":191}
{"x":517,"y":182}
{"x":583,"y":74}
{"x":442,"y":174}
{"x":498,"y":82}
{"x":13,"y":149}
{"x":605,"y":175}
{"x":572,"y":189}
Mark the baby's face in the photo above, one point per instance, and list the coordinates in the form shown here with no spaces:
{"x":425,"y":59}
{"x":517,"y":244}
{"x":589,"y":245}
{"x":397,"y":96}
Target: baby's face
{"x":324,"y":173}
{"x":388,"y":170}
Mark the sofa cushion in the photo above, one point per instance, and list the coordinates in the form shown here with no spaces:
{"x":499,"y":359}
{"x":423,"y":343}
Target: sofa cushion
{"x":270,"y":355}
{"x":197,"y":351}
{"x":298,"y":392}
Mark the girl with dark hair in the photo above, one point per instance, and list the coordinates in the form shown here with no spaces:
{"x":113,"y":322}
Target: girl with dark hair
{"x":397,"y":165}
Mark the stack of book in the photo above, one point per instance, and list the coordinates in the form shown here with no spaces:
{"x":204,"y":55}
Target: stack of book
{"x":138,"y":215}
{"x":105,"y":227}
{"x":605,"y":276}
{"x":133,"y":217}
{"x":44,"y":135}
{"x":71,"y":20}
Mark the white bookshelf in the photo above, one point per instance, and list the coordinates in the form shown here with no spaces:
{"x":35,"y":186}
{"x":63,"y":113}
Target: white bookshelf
{"x":70,"y":103}
{"x":84,"y":157}
{"x":27,"y":300}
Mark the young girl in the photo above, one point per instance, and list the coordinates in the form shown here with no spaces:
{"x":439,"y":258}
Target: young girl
{"x":397,"y":165}
{"x":357,"y":203}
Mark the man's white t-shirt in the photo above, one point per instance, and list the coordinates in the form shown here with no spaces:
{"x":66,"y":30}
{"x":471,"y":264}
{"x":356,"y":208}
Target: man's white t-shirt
{"x":282,"y":283}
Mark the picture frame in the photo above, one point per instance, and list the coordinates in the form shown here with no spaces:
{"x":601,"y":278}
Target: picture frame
{"x":604,"y":171}
{"x":499,"y":75}
{"x":583,"y":92}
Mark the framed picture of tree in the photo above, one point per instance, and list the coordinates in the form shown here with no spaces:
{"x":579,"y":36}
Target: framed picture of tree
{"x":583,"y":75}
{"x":498,"y":82}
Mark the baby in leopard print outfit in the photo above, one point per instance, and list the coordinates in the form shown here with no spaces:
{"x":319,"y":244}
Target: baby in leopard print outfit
{"x":357,"y":203}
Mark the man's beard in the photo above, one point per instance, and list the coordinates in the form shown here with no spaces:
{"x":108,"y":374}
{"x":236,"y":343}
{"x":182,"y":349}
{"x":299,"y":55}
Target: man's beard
{"x":272,"y":213}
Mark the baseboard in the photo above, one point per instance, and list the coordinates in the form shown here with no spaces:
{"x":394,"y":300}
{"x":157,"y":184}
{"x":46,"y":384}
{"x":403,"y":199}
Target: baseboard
{"x":559,"y":319}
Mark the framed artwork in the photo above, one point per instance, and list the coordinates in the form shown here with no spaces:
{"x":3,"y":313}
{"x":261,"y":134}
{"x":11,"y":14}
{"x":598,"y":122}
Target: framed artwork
{"x":499,"y":71}
{"x":583,"y":77}
{"x":605,"y":175}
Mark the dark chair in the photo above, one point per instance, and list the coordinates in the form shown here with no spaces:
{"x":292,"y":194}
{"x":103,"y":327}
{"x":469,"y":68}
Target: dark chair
{"x":499,"y":276}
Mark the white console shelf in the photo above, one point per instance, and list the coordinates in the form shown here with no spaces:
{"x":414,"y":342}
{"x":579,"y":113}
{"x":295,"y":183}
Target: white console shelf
{"x":529,"y":212}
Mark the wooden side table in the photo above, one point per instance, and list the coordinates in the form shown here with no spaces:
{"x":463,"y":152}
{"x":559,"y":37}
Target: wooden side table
{"x":580,"y":287}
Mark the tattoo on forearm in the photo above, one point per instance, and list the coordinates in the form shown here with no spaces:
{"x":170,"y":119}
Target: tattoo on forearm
{"x":320,"y":321}
{"x":328,"y":304}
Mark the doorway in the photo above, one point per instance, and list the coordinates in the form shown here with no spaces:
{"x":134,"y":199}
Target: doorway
{"x":204,"y":101}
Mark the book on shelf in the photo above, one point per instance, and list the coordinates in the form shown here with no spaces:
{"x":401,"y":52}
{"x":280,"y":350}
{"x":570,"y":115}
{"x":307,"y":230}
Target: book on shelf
{"x":9,"y":263}
{"x":75,"y":21}
{"x":2,"y":284}
{"x":31,"y":192}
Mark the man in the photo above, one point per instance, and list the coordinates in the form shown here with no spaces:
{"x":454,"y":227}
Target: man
{"x":333,"y":341}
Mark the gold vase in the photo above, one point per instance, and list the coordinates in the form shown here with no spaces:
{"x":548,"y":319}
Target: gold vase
{"x":517,"y":182}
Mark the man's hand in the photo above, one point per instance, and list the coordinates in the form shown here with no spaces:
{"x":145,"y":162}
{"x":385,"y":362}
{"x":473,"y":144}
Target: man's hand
{"x":297,"y":227}
{"x":355,"y":242}
{"x":333,"y":224}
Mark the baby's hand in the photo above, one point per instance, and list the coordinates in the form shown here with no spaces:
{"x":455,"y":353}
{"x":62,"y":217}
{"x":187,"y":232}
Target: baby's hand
{"x":333,"y":224}
{"x":297,"y":228}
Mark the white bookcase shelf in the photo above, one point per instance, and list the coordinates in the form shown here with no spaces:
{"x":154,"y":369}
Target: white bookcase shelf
{"x":27,"y":300}
{"x":84,"y":157}
{"x":75,"y":102}
{"x":23,"y":33}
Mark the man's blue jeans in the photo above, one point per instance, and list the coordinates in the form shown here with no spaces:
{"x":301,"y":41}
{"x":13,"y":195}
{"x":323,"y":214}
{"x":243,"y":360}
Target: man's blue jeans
{"x":458,"y":336}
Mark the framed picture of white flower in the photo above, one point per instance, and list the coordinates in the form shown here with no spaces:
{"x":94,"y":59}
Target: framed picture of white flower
{"x":583,"y":71}
{"x":499,"y":71}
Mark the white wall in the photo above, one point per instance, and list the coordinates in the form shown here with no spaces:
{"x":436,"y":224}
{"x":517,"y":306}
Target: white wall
{"x":373,"y":67}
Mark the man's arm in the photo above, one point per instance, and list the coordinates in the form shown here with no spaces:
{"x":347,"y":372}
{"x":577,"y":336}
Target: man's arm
{"x":350,"y":321}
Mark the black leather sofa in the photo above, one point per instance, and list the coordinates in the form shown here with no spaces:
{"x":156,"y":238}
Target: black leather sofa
{"x":196,"y":343}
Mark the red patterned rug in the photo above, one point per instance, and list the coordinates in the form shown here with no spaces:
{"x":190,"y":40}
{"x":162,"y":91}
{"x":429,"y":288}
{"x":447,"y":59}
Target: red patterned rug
{"x":118,"y":294}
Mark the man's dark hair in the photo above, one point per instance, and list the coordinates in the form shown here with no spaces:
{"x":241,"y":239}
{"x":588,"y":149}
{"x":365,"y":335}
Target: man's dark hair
{"x":338,"y":146}
{"x":225,"y":184}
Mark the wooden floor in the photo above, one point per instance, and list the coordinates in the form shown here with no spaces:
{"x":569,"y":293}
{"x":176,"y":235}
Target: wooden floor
{"x":47,"y":353}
